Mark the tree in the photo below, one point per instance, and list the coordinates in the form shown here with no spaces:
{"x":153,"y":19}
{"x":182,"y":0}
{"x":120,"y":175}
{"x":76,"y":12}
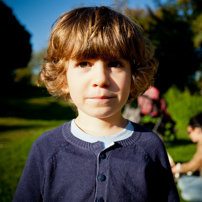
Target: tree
{"x":175,"y":31}
{"x":172,"y":37}
{"x":29,"y":74}
{"x":141,"y":16}
{"x":15,"y":45}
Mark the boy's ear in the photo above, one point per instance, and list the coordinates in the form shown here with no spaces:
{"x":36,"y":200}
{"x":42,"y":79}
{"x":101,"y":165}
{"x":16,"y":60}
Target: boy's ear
{"x":65,"y":88}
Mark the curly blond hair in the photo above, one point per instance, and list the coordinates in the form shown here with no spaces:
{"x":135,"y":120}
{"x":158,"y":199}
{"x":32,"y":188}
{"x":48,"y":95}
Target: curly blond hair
{"x":96,"y":32}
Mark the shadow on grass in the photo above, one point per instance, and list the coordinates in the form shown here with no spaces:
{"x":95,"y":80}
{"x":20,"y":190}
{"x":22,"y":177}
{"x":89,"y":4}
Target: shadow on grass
{"x":23,"y":91}
{"x":4,"y":128}
{"x":179,"y":142}
{"x":25,"y":110}
{"x":43,"y":107}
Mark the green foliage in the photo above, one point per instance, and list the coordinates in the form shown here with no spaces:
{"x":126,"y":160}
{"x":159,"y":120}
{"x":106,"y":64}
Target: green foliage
{"x":197,"y":28}
{"x":36,"y":61}
{"x":174,"y":51}
{"x":148,"y":119}
{"x":29,"y":74}
{"x":23,"y":76}
{"x":140,"y":16}
{"x":182,"y":105}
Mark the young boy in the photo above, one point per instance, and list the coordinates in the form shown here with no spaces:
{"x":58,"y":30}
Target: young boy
{"x":99,"y":60}
{"x":191,"y":186}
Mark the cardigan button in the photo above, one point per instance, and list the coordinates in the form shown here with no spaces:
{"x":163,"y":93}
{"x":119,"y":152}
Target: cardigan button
{"x":102,"y":156}
{"x":100,"y":200}
{"x":101,"y":177}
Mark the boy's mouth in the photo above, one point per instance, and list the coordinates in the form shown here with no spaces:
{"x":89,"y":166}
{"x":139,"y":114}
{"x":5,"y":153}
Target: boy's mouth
{"x":102,"y":97}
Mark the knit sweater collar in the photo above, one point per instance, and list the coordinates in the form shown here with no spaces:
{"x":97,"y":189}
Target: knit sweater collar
{"x":97,"y":146}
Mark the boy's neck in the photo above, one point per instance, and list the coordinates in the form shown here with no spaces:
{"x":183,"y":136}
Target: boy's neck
{"x":101,"y":127}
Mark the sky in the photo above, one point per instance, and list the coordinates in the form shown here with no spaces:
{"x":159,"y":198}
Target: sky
{"x":37,"y":16}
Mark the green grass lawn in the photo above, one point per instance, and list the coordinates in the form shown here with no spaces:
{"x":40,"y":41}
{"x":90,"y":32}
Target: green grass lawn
{"x":25,"y":118}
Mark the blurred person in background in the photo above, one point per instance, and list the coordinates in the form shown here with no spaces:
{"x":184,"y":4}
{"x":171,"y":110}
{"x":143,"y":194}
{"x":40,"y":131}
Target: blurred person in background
{"x":191,"y":186}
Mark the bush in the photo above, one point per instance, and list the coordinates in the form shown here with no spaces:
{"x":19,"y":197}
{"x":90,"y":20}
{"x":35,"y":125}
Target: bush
{"x":182,"y":105}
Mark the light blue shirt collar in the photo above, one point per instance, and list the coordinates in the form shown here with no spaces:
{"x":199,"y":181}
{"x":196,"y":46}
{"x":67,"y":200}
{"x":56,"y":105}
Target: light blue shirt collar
{"x":106,"y":140}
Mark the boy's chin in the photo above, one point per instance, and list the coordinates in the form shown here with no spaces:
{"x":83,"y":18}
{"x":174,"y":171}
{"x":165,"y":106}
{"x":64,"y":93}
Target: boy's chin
{"x":100,"y":114}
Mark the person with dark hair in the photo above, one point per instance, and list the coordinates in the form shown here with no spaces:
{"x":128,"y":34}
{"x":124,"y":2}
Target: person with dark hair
{"x":191,"y":186}
{"x":100,"y":60}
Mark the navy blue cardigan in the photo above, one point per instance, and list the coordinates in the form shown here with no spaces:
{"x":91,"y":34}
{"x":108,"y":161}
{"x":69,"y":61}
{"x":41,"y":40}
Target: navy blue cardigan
{"x":61,"y":167}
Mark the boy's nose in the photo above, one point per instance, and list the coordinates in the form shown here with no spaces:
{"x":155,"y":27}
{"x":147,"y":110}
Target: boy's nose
{"x":100,"y":75}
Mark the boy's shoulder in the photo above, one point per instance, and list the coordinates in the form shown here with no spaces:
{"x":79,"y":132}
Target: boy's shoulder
{"x":51,"y":141}
{"x":54,"y":135}
{"x":146,"y":135}
{"x":149,"y":142}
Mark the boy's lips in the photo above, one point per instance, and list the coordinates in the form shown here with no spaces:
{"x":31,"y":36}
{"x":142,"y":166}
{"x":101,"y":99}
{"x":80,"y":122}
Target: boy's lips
{"x":101,"y":97}
{"x":105,"y":97}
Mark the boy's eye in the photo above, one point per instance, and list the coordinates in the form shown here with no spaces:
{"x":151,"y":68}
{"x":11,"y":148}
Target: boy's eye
{"x":84,"y":64}
{"x":115,"y":64}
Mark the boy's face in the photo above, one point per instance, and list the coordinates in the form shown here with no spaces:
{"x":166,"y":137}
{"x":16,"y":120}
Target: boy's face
{"x":99,"y":88}
{"x":195,"y":134}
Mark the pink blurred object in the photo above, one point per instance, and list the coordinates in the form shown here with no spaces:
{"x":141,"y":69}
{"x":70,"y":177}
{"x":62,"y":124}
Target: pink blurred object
{"x":147,"y":102}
